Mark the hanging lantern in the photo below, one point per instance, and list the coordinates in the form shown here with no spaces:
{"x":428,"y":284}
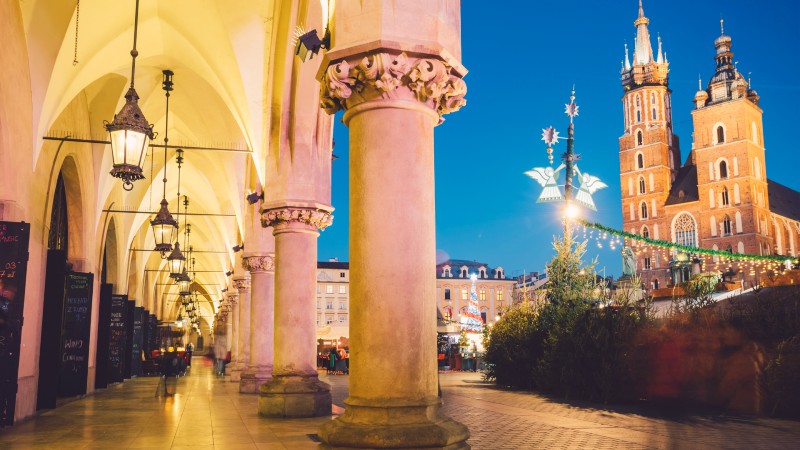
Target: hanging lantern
{"x":183,"y":284}
{"x":164,"y":227}
{"x":129,"y":132}
{"x":176,"y":261}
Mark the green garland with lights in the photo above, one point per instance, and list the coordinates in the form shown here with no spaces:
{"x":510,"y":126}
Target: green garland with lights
{"x":685,"y":248}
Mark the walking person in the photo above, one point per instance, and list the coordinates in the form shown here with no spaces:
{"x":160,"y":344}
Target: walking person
{"x":332,"y":357}
{"x":189,"y":351}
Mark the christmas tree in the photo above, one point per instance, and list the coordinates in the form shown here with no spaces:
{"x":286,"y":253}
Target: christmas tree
{"x":471,"y":321}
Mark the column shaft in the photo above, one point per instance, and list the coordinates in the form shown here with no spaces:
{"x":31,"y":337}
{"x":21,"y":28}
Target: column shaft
{"x":295,"y":390}
{"x":262,"y":324}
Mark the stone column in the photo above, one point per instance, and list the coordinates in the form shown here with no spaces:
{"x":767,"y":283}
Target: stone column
{"x":232,"y":368}
{"x":242,"y":286}
{"x":393,"y":101}
{"x":262,"y":325}
{"x":295,"y":389}
{"x":229,"y":327}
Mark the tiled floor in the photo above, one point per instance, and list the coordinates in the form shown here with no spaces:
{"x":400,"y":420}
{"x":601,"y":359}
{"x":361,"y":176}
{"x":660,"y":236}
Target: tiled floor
{"x":209,"y":413}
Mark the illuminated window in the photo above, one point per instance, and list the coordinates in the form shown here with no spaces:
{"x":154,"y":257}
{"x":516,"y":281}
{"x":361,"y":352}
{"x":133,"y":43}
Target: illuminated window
{"x":482,"y":294}
{"x":464,"y":294}
{"x":329,"y":289}
{"x":342,"y":289}
{"x":499,"y":295}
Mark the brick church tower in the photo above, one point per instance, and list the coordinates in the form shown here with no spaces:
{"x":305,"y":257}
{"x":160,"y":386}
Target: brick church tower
{"x":728,"y":151}
{"x":649,"y":150}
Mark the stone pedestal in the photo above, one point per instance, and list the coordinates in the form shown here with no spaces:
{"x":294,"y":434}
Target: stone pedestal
{"x":393,"y":101}
{"x":262,"y":323}
{"x":295,"y":390}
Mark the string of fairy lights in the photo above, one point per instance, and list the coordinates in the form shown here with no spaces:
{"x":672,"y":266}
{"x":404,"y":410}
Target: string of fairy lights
{"x":661,"y":252}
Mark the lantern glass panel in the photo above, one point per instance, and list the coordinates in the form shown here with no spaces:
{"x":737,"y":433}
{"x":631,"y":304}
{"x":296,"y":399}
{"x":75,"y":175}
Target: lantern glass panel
{"x":128,"y":146}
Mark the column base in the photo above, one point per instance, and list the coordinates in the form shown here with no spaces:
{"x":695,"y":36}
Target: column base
{"x":236,"y":375}
{"x":401,"y":426}
{"x":251,"y":380}
{"x":295,"y":396}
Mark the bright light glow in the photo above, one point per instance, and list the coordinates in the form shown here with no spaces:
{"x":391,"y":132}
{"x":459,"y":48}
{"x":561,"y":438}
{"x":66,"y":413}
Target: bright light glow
{"x":571,"y":211}
{"x":128,"y":146}
{"x":473,"y":277}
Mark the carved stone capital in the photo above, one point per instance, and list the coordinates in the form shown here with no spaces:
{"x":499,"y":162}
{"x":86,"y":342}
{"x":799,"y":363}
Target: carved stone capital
{"x":241,"y":284}
{"x":387,"y":75}
{"x":305,"y":217}
{"x":254,"y":264}
{"x":233,"y":298}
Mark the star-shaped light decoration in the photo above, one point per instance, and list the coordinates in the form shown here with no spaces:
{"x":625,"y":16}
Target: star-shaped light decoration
{"x":550,"y":137}
{"x":571,"y":110}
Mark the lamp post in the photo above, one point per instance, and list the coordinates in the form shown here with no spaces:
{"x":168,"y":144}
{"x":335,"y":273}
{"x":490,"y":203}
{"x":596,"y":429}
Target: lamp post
{"x":129,"y":132}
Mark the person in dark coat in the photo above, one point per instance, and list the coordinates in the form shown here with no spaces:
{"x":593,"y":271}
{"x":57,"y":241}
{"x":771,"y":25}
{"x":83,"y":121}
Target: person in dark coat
{"x":332,"y":361}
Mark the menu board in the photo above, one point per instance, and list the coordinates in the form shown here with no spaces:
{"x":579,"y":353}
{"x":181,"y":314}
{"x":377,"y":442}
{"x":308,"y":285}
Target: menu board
{"x":117,"y":337}
{"x":138,"y":335}
{"x":13,"y":264}
{"x":104,"y":317}
{"x":75,"y":327}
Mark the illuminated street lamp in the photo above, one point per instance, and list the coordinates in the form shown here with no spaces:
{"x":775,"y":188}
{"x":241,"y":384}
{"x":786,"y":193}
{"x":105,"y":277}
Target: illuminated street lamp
{"x":164,"y":225}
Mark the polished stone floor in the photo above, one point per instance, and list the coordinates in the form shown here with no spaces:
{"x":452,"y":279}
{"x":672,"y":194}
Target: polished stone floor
{"x":207,"y":412}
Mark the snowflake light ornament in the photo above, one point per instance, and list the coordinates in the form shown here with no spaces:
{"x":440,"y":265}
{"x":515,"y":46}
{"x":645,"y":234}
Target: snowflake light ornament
{"x":571,"y":110}
{"x":550,"y":137}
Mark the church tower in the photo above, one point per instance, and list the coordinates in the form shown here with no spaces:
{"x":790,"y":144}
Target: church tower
{"x":728,"y":150}
{"x":649,"y":153}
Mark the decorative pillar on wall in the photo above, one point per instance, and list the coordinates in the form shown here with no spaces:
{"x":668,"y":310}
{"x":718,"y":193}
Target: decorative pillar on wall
{"x":295,"y":389}
{"x":233,"y":367}
{"x":393,"y":99}
{"x":242,"y":286}
{"x":262,"y":325}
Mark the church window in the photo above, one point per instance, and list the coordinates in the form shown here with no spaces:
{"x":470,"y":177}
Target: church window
{"x":729,"y":248}
{"x":655,"y":283}
{"x":741,"y":247}
{"x":640,"y":159}
{"x":720,"y":135}
{"x":639,"y":138}
{"x":757,"y":166}
{"x":644,"y":210}
{"x":638,"y":103}
{"x":738,"y":222}
{"x":647,"y":264}
{"x":652,"y":183}
{"x":638,"y":116}
{"x":645,"y":232}
{"x":630,"y":186}
{"x":655,"y":116}
{"x":685,"y":230}
{"x":642,"y":185}
{"x":725,"y":198}
{"x":726,"y":226}
{"x":723,"y":169}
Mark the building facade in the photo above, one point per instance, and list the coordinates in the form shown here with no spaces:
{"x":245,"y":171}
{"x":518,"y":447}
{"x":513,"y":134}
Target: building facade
{"x":494,"y":290}
{"x":333,"y":299}
{"x":720,"y":198}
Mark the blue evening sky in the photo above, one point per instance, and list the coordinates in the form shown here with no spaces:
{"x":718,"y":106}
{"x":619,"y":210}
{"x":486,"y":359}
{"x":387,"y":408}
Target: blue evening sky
{"x":523,"y":59}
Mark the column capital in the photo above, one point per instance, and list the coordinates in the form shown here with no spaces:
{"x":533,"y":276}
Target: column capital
{"x":259,"y":263}
{"x":301,"y":218}
{"x":385,"y":74}
{"x":233,"y":298}
{"x":241,"y":284}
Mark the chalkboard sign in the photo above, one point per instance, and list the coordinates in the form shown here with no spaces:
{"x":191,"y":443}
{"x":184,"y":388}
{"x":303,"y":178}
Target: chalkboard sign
{"x":154,"y":342}
{"x":117,"y":337}
{"x":104,"y":318}
{"x":126,"y":357}
{"x":13,"y":264}
{"x":75,"y":327}
{"x":138,"y":335}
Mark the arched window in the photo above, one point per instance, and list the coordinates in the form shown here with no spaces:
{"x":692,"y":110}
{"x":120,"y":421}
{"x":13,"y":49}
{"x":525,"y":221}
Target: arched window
{"x":757,"y":166}
{"x":644,"y":210}
{"x":642,"y":185}
{"x":685,"y":230}
{"x":638,"y":103}
{"x":729,"y":248}
{"x":58,"y":236}
{"x":639,"y":138}
{"x":720,"y":135}
{"x":725,"y":197}
{"x":645,"y":232}
{"x":726,"y":226}
{"x":723,"y":169}
{"x":638,"y":116}
{"x":655,"y":283}
{"x":640,"y":160}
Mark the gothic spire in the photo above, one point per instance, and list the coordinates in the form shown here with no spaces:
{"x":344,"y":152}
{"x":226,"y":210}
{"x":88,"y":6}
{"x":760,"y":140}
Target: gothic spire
{"x":660,"y":57}
{"x":643,"y":52}
{"x":627,"y":59}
